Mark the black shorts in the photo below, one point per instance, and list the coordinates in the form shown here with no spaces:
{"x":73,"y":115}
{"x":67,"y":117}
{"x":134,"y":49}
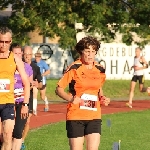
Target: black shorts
{"x":80,"y":128}
{"x":19,"y":122}
{"x":7,"y":111}
{"x":31,"y":103}
{"x":43,"y":87}
{"x":140,"y":78}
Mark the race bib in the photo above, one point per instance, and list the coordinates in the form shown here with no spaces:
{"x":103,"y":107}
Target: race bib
{"x":88,"y":102}
{"x":18,"y":93}
{"x":4,"y":85}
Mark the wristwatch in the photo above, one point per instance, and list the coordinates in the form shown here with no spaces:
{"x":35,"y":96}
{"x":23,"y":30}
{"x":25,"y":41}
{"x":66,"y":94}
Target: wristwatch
{"x":25,"y":104}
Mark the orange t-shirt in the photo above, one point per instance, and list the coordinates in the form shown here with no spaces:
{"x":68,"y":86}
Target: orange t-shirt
{"x":7,"y":70}
{"x":84,"y":83}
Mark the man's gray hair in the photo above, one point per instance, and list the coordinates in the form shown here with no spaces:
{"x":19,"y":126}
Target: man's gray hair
{"x":4,"y":30}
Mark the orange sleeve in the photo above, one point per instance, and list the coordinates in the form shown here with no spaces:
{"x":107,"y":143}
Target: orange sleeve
{"x":103,"y":78}
{"x":66,"y":79}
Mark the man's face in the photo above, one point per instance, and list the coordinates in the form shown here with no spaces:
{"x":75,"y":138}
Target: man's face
{"x":37,"y":57}
{"x":18,"y":52}
{"x":27,"y":55}
{"x":5,"y":42}
{"x":137,"y":52}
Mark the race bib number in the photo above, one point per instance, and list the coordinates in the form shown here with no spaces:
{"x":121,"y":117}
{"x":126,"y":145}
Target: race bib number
{"x":88,"y":102}
{"x":18,"y":93}
{"x":4,"y":85}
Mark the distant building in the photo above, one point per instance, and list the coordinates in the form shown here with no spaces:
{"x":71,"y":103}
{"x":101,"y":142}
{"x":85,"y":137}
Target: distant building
{"x":4,"y":14}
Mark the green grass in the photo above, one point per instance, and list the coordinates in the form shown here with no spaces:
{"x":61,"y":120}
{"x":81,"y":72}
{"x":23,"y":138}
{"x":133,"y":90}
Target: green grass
{"x":115,"y":89}
{"x":131,"y":128}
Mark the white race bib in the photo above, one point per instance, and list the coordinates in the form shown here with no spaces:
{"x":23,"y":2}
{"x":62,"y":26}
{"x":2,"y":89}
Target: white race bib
{"x":17,"y":91}
{"x":88,"y":102}
{"x":4,"y":85}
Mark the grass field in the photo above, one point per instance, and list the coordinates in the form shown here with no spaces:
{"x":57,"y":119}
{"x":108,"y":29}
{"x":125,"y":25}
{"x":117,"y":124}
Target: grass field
{"x":131,"y":128}
{"x":115,"y":89}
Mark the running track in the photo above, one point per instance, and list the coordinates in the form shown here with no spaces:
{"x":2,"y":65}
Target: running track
{"x":57,"y":111}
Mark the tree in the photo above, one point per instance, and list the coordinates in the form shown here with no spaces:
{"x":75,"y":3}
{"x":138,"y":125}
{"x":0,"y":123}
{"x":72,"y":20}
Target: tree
{"x":57,"y":17}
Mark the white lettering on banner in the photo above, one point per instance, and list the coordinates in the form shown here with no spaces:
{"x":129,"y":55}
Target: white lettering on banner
{"x":88,"y":102}
{"x":4,"y":85}
{"x":117,"y":58}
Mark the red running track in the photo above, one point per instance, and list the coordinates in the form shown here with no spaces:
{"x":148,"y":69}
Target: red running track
{"x":57,"y":112}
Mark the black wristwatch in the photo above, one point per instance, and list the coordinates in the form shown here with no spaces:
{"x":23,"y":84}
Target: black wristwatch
{"x":25,"y":104}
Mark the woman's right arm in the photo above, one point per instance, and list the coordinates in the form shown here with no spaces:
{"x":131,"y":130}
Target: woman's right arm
{"x":61,"y":93}
{"x":63,"y":83}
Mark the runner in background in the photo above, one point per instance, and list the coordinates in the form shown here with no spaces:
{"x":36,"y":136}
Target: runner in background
{"x":45,"y":70}
{"x":139,"y":65}
{"x":37,"y":82}
{"x":20,"y":121}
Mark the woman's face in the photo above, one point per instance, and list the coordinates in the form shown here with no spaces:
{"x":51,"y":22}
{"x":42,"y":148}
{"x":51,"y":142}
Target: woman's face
{"x":88,"y":55}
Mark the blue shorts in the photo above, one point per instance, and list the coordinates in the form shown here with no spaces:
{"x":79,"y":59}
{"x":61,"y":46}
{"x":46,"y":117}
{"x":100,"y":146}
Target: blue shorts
{"x":7,"y":111}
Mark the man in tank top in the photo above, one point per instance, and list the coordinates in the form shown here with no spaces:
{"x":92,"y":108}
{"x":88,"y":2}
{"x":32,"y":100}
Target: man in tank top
{"x":139,"y":65}
{"x":9,"y":62}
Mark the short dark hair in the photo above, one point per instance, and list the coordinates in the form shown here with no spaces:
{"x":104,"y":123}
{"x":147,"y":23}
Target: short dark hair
{"x":4,"y":30}
{"x":86,"y":42}
{"x":15,"y":45}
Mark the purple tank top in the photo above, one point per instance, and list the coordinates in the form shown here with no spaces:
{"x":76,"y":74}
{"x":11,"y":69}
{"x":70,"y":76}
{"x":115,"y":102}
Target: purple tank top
{"x":18,"y":88}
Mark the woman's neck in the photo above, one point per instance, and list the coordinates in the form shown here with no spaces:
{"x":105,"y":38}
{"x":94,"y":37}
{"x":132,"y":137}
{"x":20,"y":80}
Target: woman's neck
{"x":87,"y":66}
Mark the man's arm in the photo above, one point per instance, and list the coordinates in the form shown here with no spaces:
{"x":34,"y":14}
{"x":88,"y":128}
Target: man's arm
{"x":46,"y":73}
{"x":24,"y":77}
{"x":46,"y":67}
{"x":145,"y":64}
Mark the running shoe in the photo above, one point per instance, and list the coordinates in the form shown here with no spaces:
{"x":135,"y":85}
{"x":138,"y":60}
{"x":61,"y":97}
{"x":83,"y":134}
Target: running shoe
{"x":46,"y":108}
{"x":129,"y":105}
{"x":23,"y":146}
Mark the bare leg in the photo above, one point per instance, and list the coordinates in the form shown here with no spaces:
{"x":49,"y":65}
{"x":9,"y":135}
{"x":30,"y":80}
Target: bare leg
{"x":131,"y":94}
{"x":16,"y":144}
{"x":8,"y":126}
{"x":141,"y":87}
{"x":1,"y":131}
{"x":26,"y":128}
{"x":76,"y":143}
{"x":44,"y":98}
{"x":92,"y":141}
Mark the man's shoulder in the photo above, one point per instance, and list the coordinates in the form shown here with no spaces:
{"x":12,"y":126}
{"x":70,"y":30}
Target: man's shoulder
{"x":42,"y":62}
{"x":33,"y":65}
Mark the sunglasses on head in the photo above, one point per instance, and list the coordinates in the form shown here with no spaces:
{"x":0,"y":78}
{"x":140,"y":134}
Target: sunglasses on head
{"x":6,"y":42}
